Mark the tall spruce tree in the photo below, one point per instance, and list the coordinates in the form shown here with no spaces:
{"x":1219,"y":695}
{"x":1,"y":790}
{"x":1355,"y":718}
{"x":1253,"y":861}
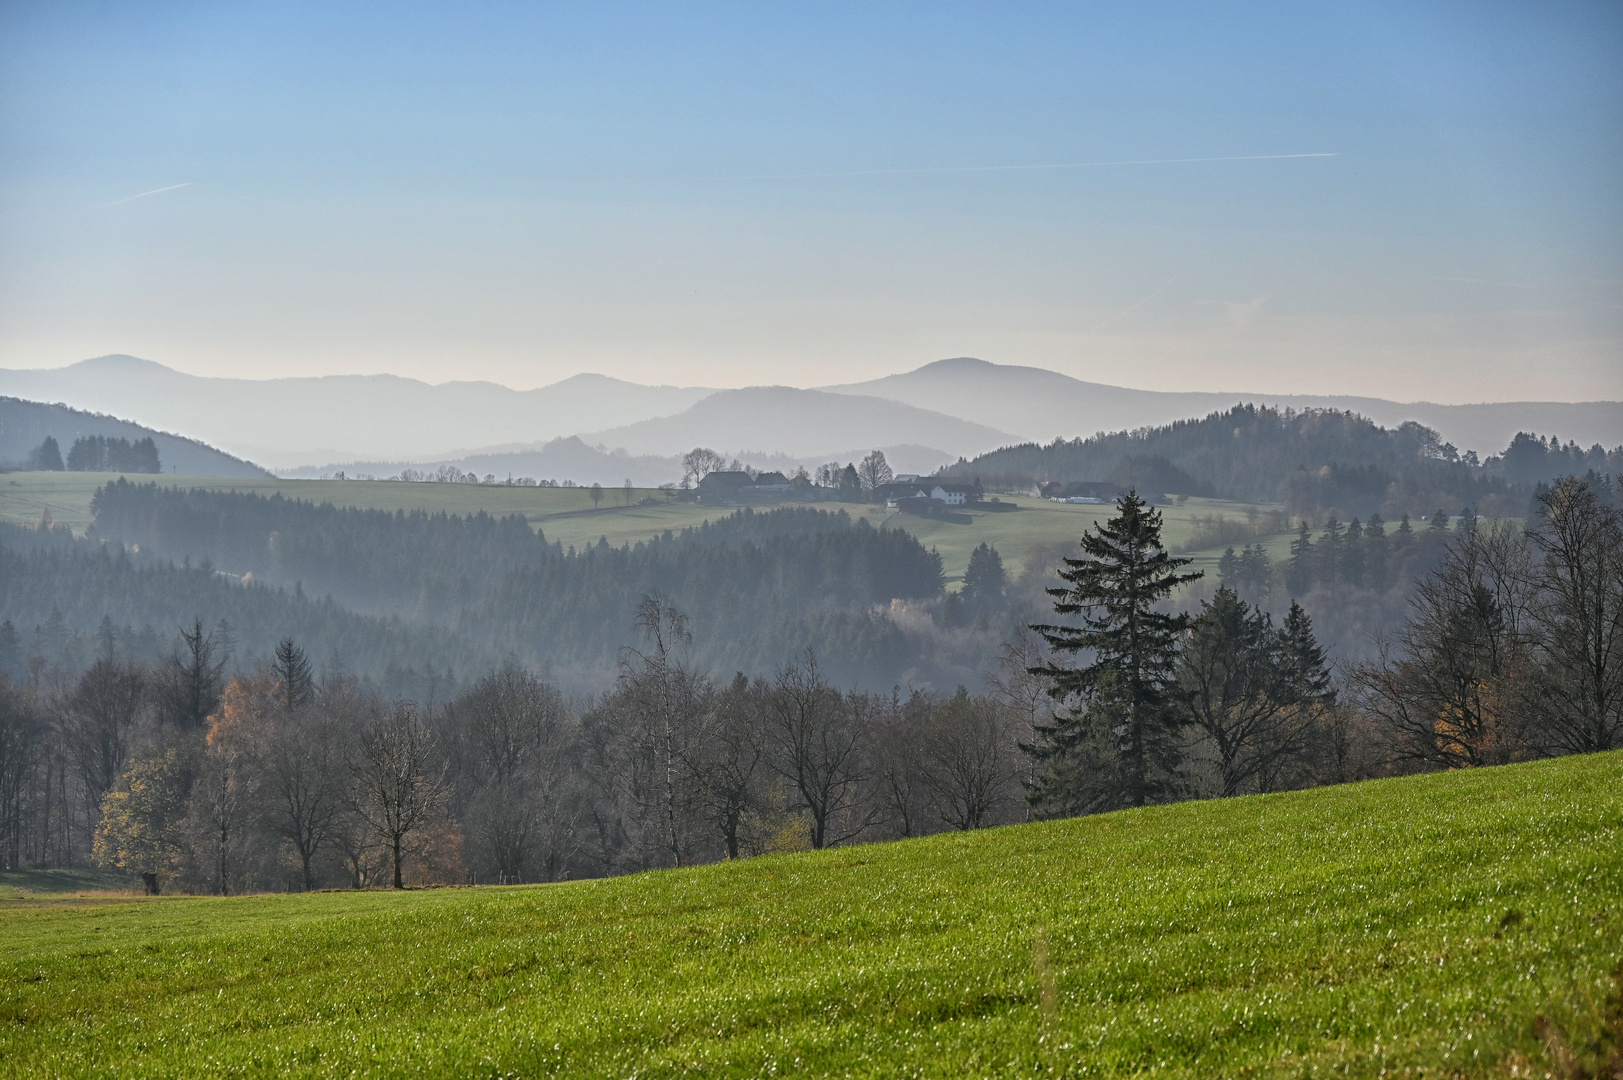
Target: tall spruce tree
{"x":294,"y":685}
{"x":1299,"y":571}
{"x":1115,"y":740}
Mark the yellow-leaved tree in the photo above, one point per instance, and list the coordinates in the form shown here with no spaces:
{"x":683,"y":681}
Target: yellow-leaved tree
{"x":140,"y":822}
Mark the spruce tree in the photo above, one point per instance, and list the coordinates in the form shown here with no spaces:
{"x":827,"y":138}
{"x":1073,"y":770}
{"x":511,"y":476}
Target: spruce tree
{"x":1299,"y":574}
{"x":292,"y":671}
{"x":1115,"y":740}
{"x":46,"y":457}
{"x":985,"y":578}
{"x":1310,"y":671}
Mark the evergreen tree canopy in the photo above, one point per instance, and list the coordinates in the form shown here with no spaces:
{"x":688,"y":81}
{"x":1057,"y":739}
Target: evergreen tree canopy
{"x":47,"y":457}
{"x":984,"y":580}
{"x":1123,"y":696}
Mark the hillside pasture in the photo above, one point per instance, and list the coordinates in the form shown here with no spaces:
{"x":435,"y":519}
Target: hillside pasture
{"x":1415,"y":927}
{"x":1038,"y":528}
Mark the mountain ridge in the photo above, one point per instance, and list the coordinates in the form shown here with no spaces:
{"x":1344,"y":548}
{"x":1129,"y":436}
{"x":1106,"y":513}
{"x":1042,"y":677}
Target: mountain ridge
{"x":293,"y":422}
{"x":1034,"y":400}
{"x":285,"y":419}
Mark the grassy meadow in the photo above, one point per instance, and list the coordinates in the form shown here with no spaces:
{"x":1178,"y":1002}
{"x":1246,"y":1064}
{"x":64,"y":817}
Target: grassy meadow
{"x":1413,"y":927}
{"x":568,"y":516}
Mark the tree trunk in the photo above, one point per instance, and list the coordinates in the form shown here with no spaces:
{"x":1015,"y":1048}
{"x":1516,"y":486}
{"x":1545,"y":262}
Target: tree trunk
{"x":398,"y":883}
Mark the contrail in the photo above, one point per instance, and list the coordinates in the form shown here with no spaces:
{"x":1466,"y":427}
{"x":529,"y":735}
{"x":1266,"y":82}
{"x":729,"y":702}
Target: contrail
{"x":1022,"y":168}
{"x":144,"y":194}
{"x":1123,"y":314}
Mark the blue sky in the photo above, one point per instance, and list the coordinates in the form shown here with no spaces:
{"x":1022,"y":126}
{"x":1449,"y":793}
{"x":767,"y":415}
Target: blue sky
{"x":739,"y":194}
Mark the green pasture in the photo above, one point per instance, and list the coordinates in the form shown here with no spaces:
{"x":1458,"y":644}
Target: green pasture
{"x":568,"y":515}
{"x":1409,"y":927}
{"x":16,"y":884}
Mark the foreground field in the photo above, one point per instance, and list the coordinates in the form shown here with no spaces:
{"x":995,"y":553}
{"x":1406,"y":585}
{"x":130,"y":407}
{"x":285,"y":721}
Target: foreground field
{"x":1413,"y":926}
{"x":569,"y":516}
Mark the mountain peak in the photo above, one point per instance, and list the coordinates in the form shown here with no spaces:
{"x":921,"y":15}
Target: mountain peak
{"x":120,"y":362}
{"x":956,"y":363}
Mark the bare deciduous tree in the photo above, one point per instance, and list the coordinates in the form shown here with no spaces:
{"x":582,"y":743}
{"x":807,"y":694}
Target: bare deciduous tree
{"x":1580,"y":614}
{"x":669,"y":698}
{"x":397,"y":786}
{"x":515,"y":743}
{"x":1014,"y":683}
{"x":820,"y":747}
{"x":874,"y":471}
{"x":700,"y":462}
{"x":729,"y":765}
{"x":969,"y":755}
{"x":97,"y":722}
{"x":1446,"y":691}
{"x":302,"y":763}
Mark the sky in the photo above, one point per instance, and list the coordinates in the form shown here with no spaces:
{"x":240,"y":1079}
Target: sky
{"x":1408,"y":200}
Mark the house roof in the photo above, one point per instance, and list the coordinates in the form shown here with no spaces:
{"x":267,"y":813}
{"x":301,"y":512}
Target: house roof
{"x":726,"y":478}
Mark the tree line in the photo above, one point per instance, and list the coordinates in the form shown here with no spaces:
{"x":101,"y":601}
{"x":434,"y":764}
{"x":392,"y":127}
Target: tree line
{"x":96,"y":453}
{"x":757,"y":585}
{"x":1313,"y":462}
{"x":279,"y":778}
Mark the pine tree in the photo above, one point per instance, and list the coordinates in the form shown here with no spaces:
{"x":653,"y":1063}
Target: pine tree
{"x":11,"y":651}
{"x":46,"y":457}
{"x":1310,"y":672}
{"x":1330,"y":547}
{"x":1375,"y":552}
{"x":1352,"y":554}
{"x":1257,"y":573}
{"x":1115,"y":742}
{"x":985,"y":578}
{"x":292,"y":671}
{"x":1299,"y":576}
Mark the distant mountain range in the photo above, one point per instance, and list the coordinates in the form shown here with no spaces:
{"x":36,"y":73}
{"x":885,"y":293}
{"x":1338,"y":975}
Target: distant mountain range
{"x":25,"y":424}
{"x":307,"y":421}
{"x":932,"y":415}
{"x":1040,"y":405}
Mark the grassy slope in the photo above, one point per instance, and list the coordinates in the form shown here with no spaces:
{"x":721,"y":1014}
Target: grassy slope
{"x":567,"y":514}
{"x":17,"y":884}
{"x":1347,"y":929}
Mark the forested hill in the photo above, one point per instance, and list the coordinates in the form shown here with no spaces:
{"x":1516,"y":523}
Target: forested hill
{"x":1312,"y":461}
{"x":760,"y":587}
{"x":25,"y":424}
{"x":68,"y":600}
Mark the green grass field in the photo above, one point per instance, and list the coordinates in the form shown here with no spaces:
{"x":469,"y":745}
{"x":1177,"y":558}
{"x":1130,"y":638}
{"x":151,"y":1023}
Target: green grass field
{"x":17,"y":884}
{"x":568,"y":516}
{"x":1411,"y":927}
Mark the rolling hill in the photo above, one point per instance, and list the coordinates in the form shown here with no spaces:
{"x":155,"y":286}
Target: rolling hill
{"x":1042,"y":405}
{"x":1412,"y":927}
{"x":955,"y":407}
{"x":306,"y":421}
{"x":800,"y":423}
{"x":24,"y":425}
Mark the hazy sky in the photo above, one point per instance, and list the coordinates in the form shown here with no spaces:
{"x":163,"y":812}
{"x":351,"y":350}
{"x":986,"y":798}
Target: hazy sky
{"x":806,"y":194}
